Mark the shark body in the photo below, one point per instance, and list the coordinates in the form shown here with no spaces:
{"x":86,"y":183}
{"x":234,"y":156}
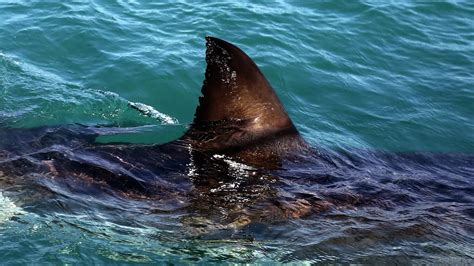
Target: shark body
{"x":241,"y":161}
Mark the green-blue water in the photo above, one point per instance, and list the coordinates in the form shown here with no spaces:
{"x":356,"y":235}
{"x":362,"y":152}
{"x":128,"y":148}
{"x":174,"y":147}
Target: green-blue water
{"x":366,"y":75}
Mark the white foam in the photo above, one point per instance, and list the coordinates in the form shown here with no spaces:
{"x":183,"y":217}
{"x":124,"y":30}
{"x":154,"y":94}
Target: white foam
{"x":153,"y":113}
{"x":9,"y":59}
{"x":233,"y":164}
{"x":191,"y":167}
{"x":8,"y":209}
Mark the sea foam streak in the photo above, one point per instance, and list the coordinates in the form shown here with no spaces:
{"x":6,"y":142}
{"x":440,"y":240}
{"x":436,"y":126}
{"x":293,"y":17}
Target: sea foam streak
{"x":153,"y":113}
{"x":8,"y":209}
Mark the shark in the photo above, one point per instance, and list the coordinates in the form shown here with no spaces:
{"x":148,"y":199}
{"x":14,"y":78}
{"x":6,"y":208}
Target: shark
{"x":241,"y":161}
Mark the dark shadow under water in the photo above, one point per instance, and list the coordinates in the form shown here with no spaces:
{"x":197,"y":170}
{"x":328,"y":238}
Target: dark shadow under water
{"x":361,"y":206}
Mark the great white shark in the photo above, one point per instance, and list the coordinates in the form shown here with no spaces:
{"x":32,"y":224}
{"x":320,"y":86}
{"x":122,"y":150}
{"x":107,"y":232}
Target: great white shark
{"x":230,"y":160}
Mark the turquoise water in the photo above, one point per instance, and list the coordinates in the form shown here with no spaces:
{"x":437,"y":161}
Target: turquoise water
{"x":360,"y":75}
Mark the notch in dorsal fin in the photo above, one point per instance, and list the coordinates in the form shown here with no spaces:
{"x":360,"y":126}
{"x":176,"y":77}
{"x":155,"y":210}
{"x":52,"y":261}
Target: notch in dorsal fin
{"x":235,"y":89}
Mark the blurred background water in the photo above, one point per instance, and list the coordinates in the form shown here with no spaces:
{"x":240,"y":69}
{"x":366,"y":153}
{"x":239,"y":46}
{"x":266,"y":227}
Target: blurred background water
{"x":363,"y":74}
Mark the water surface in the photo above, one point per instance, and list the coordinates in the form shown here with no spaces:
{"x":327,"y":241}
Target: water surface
{"x":366,"y":83}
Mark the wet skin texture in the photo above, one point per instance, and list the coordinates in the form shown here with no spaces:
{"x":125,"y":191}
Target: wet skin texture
{"x":241,"y":162}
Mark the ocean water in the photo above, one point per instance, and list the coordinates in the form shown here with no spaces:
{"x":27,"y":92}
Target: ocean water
{"x":354,"y":77}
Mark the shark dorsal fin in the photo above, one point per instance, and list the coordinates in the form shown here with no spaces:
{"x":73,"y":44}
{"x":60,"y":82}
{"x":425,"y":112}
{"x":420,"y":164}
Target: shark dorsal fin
{"x":238,"y":111}
{"x":235,"y":89}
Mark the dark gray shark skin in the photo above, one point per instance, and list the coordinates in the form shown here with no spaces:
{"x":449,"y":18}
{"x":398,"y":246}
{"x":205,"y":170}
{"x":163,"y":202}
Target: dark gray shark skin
{"x":241,"y":162}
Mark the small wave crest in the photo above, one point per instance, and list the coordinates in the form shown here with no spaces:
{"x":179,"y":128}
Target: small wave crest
{"x":153,"y":113}
{"x":8,"y":209}
{"x":8,"y":59}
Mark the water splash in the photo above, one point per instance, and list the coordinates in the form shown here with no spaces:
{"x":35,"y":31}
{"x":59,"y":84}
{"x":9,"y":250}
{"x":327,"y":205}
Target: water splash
{"x":9,"y":59}
{"x":8,"y":209}
{"x":153,"y":113}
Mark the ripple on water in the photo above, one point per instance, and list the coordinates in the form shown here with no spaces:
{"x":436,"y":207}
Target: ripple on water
{"x":354,"y":77}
